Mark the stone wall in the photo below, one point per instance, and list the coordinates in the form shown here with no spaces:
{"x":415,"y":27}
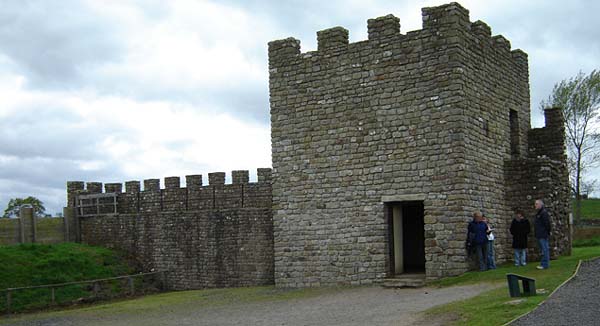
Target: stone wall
{"x":430,"y":115}
{"x":543,"y":174}
{"x":219,"y":235}
{"x":9,"y":231}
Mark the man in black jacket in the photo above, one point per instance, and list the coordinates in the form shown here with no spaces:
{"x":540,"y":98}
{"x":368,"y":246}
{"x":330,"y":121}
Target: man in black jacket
{"x":542,"y":233}
{"x":519,"y":228}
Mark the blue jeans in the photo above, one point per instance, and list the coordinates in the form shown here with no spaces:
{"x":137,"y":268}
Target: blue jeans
{"x":491,"y":261}
{"x":545,"y":249}
{"x":481,"y":250}
{"x":520,"y":257}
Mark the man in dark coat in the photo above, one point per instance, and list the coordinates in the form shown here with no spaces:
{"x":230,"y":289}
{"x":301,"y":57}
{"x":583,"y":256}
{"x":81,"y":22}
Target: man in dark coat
{"x":477,"y":238}
{"x":520,"y":228}
{"x":542,"y":233}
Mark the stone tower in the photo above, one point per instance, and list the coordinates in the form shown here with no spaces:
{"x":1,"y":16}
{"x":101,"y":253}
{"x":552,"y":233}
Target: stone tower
{"x":383,"y":148}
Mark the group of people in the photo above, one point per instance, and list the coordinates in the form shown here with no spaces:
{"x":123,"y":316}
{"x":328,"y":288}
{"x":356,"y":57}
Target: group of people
{"x":480,"y":238}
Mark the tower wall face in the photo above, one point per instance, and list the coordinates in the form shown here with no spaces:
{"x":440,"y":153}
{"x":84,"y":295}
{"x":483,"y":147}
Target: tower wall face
{"x":496,"y":82}
{"x":397,"y":117}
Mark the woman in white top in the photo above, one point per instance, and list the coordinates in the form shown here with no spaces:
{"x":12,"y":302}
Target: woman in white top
{"x":491,"y":260}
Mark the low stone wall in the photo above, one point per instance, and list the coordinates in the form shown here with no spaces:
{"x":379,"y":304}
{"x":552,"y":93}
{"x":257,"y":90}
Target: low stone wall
{"x":219,"y":235}
{"x":9,"y":231}
{"x":201,"y":249}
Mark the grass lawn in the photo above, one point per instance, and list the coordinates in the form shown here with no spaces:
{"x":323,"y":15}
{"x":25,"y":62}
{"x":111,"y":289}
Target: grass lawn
{"x":590,"y":208}
{"x":36,"y":264}
{"x":493,"y":308}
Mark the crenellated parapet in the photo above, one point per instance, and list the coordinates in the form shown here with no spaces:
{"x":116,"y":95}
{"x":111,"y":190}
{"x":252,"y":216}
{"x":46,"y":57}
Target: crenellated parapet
{"x":173,"y":197}
{"x":445,"y":26}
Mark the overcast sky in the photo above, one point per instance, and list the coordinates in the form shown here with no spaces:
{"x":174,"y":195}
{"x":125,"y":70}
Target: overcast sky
{"x":127,"y":90}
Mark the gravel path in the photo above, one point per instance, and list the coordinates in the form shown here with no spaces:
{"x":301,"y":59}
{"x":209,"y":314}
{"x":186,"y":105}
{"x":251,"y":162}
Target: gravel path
{"x":576,"y":303}
{"x":353,"y":306}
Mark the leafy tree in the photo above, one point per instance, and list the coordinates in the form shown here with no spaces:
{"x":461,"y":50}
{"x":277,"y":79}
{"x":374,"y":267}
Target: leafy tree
{"x":579,"y":97}
{"x":14,"y":206}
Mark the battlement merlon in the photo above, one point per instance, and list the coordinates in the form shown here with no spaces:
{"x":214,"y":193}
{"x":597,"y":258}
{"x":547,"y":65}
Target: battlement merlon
{"x":216,"y":178}
{"x":332,"y":38}
{"x":383,"y":28}
{"x":520,"y":57}
{"x":554,"y":119}
{"x":482,"y":29}
{"x":94,"y":187}
{"x":132,"y":186}
{"x":152,"y":185}
{"x":240,"y":177}
{"x":264,"y":175}
{"x":73,"y":189}
{"x":501,"y":43}
{"x":280,"y":51}
{"x":172,"y":183}
{"x":193,"y":181}
{"x":113,"y":187}
{"x":450,"y":16}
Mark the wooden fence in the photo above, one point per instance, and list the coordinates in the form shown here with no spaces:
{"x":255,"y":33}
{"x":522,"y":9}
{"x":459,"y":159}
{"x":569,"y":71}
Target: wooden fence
{"x":95,"y":286}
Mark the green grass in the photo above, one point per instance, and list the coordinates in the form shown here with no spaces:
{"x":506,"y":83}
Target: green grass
{"x":35,"y":264}
{"x":590,"y":208}
{"x":492,"y":308}
{"x":590,"y":242}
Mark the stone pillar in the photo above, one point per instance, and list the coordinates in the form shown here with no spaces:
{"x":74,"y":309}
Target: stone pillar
{"x":27,"y":225}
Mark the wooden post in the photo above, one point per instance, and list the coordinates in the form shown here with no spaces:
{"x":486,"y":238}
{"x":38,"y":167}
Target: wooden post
{"x":8,"y":301}
{"x":28,"y":222}
{"x":52,"y":295}
{"x":131,"y":285}
{"x":96,"y":290}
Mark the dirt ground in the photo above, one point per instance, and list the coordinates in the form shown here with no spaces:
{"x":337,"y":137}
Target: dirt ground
{"x":350,"y":306}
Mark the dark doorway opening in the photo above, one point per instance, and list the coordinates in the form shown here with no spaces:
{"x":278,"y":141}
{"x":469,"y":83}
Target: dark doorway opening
{"x":406,"y":237}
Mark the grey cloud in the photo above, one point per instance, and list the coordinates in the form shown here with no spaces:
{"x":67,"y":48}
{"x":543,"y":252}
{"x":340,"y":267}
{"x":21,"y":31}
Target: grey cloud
{"x":53,"y":43}
{"x":250,"y":100}
{"x":53,"y":172}
{"x":44,"y":178}
{"x":51,"y":133}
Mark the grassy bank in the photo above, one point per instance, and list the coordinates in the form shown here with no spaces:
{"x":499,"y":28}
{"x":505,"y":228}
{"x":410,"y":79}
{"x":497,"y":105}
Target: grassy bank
{"x":590,"y":208}
{"x":587,"y":242}
{"x":496,"y":307}
{"x":35,"y":264}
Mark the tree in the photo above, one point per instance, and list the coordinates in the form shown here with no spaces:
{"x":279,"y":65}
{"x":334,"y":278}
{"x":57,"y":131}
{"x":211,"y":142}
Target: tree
{"x":579,"y":97}
{"x":14,"y":206}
